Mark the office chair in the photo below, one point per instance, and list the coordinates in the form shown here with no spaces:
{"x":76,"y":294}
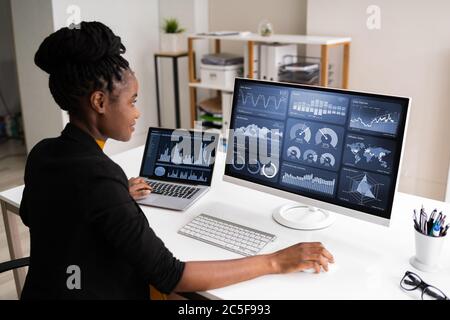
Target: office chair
{"x":25,"y":262}
{"x":15,"y":264}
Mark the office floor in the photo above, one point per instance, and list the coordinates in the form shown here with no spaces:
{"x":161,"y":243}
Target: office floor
{"x":12,"y":165}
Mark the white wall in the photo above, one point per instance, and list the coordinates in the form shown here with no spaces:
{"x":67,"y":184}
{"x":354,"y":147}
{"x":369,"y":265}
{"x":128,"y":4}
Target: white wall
{"x":8,"y":71}
{"x":286,"y":16}
{"x":409,"y":56}
{"x":193,"y":16}
{"x":136,"y":22}
{"x":32,"y":22}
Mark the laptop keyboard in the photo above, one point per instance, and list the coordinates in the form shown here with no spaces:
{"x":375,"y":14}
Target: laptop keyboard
{"x":173,"y":190}
{"x":227,"y":235}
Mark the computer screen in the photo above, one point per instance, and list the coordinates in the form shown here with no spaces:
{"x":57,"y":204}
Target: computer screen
{"x":179,"y":155}
{"x":334,"y":149}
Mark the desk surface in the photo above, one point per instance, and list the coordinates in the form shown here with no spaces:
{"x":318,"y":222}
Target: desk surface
{"x":370,"y":259}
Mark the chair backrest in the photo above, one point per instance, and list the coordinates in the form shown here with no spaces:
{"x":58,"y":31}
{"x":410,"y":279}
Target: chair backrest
{"x":14,"y":264}
{"x":19,"y":277}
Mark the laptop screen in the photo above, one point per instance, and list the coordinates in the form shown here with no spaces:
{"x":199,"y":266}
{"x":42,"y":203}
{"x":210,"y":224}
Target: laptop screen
{"x":180,"y":155}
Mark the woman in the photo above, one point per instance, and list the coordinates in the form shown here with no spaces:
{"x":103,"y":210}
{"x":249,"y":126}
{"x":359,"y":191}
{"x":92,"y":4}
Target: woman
{"x":79,"y":205}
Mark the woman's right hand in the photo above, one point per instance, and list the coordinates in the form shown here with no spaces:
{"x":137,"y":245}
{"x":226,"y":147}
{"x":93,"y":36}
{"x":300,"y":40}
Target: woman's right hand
{"x":301,"y":256}
{"x":138,"y":188}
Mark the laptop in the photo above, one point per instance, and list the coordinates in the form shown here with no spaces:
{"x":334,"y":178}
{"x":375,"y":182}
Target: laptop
{"x":178,"y":165}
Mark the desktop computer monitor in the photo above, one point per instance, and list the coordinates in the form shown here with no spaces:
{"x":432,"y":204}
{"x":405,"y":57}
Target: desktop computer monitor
{"x":329,"y":149}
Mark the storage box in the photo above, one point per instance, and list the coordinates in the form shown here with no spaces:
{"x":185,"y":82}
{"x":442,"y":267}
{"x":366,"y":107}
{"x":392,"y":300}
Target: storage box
{"x":222,"y":76}
{"x":222,"y":59}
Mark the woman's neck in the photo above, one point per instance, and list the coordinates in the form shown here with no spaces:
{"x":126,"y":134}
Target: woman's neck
{"x":90,"y":129}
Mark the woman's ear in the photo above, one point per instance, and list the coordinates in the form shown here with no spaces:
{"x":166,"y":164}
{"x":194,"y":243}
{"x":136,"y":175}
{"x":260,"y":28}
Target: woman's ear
{"x":98,"y":101}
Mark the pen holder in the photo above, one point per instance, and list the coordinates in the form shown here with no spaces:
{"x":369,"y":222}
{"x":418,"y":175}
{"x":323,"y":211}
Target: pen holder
{"x":428,"y":252}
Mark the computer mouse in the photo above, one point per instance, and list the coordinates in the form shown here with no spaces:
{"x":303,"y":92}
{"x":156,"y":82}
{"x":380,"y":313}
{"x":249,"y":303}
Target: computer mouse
{"x":332,"y":267}
{"x":310,"y":270}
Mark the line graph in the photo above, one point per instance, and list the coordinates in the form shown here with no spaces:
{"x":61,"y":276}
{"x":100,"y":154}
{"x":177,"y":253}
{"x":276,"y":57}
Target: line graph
{"x":375,"y":116}
{"x":387,"y":118}
{"x":263,"y":101}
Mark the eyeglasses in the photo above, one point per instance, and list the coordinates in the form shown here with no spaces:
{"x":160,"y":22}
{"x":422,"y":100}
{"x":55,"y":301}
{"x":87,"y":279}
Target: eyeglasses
{"x":412,"y":281}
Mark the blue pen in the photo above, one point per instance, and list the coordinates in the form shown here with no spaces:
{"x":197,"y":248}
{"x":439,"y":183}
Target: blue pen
{"x":436,"y":232}
{"x":431,"y":228}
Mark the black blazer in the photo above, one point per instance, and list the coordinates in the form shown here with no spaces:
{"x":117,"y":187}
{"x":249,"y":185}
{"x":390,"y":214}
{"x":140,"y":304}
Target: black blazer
{"x":80,"y":213}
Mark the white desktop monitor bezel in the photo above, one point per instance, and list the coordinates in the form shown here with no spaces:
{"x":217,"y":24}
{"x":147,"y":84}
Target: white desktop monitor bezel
{"x":307,"y":200}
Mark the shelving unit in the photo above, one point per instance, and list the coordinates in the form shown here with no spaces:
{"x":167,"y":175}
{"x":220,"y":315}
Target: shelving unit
{"x":251,"y":39}
{"x":174,"y":56}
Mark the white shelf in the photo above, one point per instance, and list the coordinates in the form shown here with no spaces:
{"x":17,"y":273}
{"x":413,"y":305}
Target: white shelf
{"x":278,"y":38}
{"x":212,"y":87}
{"x":252,"y":38}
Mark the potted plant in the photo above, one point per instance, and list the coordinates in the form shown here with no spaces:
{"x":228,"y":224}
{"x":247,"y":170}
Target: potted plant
{"x":172,"y":36}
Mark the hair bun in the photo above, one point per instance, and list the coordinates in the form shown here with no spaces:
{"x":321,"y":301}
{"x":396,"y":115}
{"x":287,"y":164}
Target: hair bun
{"x":88,"y":44}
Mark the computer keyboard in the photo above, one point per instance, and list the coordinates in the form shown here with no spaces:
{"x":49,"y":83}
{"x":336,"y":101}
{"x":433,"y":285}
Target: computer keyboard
{"x":227,"y":235}
{"x":172,"y":190}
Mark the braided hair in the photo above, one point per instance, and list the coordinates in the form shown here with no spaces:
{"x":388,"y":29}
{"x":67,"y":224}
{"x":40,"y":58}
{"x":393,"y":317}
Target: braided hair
{"x":81,"y":61}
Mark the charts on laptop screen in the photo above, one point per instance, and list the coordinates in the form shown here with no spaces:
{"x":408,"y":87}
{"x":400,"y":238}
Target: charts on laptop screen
{"x":338,"y":147}
{"x":179,"y":156}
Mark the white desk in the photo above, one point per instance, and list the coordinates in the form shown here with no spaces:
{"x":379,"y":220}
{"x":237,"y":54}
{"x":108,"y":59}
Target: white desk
{"x":370,"y":259}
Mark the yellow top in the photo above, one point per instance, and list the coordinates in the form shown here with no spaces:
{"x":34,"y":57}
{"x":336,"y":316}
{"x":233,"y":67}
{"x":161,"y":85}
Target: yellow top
{"x":101,"y":143}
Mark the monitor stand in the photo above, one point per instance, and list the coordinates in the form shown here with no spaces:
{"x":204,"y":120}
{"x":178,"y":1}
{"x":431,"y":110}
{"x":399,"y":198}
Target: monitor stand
{"x":303,"y":217}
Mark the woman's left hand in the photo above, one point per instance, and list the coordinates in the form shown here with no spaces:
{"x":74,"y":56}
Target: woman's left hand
{"x":138,"y":188}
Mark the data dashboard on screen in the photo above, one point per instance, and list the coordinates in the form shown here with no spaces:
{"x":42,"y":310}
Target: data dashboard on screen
{"x":179,"y":156}
{"x":336,"y":146}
